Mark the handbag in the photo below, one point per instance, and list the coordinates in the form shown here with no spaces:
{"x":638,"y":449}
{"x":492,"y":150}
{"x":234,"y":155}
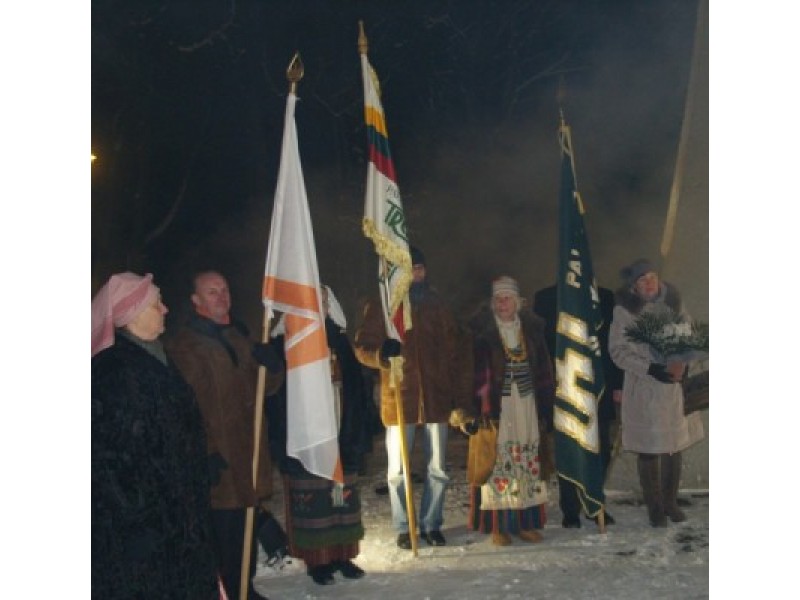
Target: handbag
{"x":695,"y":391}
{"x":482,"y":453}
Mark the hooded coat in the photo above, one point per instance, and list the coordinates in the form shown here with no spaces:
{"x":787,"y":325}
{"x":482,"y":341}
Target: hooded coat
{"x":652,"y":418}
{"x":217,"y":362}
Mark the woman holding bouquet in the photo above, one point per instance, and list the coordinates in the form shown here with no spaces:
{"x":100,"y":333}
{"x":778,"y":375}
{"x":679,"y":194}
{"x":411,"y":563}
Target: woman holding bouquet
{"x":653,"y":421}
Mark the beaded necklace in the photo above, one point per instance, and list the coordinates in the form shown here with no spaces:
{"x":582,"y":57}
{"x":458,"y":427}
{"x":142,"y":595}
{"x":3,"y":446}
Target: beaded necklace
{"x":518,"y":354}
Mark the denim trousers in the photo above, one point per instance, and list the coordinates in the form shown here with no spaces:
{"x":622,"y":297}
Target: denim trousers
{"x":430,"y":517}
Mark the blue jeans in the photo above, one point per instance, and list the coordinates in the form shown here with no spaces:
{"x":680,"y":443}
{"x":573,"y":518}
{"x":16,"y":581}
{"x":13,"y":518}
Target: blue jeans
{"x":430,"y":516}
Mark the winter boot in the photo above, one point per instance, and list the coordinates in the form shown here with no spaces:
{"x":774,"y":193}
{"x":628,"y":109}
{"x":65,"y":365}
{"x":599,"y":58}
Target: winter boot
{"x":670,"y":480}
{"x":530,"y":535}
{"x":500,"y":538}
{"x":651,"y":488}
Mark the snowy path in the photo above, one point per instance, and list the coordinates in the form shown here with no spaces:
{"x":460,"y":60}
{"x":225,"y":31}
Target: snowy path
{"x":631,"y":561}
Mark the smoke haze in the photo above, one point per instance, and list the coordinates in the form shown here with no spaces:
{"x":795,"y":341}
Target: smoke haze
{"x":470,"y":100}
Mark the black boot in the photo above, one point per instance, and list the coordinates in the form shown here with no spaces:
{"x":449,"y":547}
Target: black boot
{"x":670,"y":481}
{"x":648,"y":465}
{"x":321,"y":574}
{"x":349,"y":569}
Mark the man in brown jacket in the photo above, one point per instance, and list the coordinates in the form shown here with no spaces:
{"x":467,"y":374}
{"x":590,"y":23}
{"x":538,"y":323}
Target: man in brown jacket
{"x":220,"y":362}
{"x":436,"y":380}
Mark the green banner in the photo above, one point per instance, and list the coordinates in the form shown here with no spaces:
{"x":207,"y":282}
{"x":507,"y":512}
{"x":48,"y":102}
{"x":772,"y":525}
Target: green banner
{"x":579,"y":367}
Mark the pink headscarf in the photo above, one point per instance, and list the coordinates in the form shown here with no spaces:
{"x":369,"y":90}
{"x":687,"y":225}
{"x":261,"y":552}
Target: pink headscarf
{"x":118,"y":303}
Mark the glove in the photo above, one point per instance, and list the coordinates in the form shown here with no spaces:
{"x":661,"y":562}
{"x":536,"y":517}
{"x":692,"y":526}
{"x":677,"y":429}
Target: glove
{"x":267,"y":356}
{"x":660,"y":373}
{"x":390,"y":347}
{"x":458,"y":417}
{"x":216,"y":465}
{"x":470,"y":428}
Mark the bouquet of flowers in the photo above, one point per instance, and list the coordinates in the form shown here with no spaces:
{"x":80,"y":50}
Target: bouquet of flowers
{"x":670,"y":337}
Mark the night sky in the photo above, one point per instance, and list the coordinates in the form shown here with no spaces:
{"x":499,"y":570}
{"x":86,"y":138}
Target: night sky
{"x":188,"y":101}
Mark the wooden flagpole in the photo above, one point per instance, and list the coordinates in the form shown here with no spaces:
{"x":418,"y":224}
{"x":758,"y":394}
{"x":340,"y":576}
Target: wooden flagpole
{"x":397,"y":367}
{"x":244,"y":584}
{"x":396,"y":376}
{"x":294,"y":73}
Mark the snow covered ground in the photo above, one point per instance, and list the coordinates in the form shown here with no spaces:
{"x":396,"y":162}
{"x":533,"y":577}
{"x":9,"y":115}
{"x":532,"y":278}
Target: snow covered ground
{"x":631,"y":561}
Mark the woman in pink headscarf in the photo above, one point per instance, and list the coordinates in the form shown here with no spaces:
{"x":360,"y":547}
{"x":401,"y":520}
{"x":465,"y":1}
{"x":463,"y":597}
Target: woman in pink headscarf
{"x":149,"y":471}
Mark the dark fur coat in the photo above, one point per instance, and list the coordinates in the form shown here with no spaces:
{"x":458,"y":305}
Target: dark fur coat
{"x":150,"y":500}
{"x":488,"y":349}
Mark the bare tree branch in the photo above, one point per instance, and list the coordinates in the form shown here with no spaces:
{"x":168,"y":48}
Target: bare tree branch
{"x":211,"y":37}
{"x":170,"y":216}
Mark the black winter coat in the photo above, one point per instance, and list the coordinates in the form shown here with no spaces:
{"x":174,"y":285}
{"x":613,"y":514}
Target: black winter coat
{"x":150,"y":497}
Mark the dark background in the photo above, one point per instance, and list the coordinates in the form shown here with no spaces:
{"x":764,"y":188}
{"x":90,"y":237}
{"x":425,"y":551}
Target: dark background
{"x":188,"y":101}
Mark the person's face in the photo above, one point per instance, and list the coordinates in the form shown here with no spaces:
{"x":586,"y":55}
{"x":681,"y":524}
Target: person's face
{"x":149,"y":324}
{"x":211,"y":297}
{"x":647,"y":286}
{"x":418,"y":273}
{"x":505,"y":305}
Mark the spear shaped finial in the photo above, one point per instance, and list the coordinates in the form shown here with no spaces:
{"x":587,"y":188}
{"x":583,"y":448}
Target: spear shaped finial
{"x":294,"y":72}
{"x":363,"y":44}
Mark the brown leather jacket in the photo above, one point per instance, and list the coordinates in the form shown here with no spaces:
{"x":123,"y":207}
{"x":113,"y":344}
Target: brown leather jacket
{"x":437,"y":369}
{"x":217,"y":362}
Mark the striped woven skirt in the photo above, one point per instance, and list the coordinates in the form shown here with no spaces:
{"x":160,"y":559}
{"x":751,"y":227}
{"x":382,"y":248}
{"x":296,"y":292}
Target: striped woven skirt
{"x":319,"y":531}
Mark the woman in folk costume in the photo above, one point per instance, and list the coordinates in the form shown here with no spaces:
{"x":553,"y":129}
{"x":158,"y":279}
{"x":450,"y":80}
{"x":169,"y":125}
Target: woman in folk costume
{"x":150,"y":503}
{"x":514,"y":387}
{"x":323,"y":519}
{"x":653,"y":423}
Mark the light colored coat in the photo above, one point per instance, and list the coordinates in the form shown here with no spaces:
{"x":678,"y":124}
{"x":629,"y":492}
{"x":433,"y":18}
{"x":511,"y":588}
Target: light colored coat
{"x":652,"y":418}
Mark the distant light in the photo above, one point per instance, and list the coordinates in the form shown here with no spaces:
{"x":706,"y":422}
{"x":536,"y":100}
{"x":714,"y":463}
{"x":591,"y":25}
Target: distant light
{"x":94,"y":158}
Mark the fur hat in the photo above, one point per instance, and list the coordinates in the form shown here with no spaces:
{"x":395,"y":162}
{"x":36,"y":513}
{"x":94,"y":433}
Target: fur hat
{"x":635,"y":270}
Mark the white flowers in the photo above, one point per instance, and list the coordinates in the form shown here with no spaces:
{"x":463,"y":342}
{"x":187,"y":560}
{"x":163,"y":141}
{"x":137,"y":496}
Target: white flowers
{"x":677,"y":330}
{"x":669,"y":336}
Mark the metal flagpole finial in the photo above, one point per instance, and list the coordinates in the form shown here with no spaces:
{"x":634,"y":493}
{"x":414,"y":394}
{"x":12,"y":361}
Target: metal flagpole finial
{"x":294,"y":72}
{"x":363,"y":44}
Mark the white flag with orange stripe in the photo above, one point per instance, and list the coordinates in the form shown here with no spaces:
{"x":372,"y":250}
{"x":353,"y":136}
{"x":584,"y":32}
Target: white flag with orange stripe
{"x":291,"y":285}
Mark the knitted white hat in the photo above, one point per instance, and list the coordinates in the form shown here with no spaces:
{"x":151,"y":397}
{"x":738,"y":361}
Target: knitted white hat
{"x":505,"y":284}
